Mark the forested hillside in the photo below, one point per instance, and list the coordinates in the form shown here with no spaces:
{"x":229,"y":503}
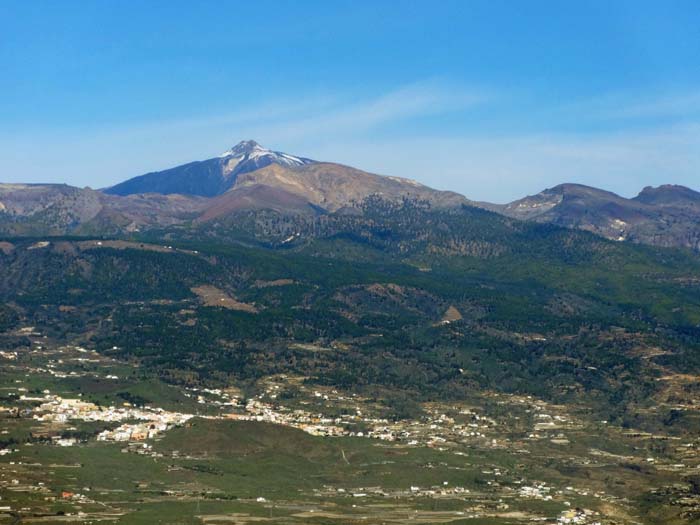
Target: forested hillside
{"x":429,"y":304}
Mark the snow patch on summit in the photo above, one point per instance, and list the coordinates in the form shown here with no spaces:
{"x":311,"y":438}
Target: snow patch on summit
{"x":249,"y":150}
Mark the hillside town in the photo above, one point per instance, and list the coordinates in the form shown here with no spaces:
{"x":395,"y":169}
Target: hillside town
{"x":139,"y":423}
{"x":501,"y":424}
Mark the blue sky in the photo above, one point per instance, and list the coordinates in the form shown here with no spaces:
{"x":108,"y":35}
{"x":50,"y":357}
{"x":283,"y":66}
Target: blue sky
{"x":494,"y":99}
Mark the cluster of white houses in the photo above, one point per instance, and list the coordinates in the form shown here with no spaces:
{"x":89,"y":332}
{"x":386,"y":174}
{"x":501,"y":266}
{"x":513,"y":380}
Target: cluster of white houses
{"x":138,"y":423}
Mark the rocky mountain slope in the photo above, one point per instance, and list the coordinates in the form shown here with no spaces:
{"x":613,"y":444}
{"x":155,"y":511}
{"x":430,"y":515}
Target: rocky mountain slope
{"x":664,"y":216}
{"x":55,"y":209}
{"x":251,"y":178}
{"x":320,"y":187}
{"x":210,"y":177}
{"x":248,"y":177}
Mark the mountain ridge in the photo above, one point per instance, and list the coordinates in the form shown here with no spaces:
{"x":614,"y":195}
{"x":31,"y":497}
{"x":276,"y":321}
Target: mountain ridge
{"x":251,"y":178}
{"x":210,"y":177}
{"x":668,"y":215}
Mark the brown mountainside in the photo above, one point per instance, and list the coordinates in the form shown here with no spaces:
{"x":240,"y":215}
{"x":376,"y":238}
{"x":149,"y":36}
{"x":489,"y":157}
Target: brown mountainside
{"x":250,"y":177}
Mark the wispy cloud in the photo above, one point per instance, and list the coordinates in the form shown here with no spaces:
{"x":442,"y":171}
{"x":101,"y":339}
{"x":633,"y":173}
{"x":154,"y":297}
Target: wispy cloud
{"x":635,"y":106}
{"x":416,"y":100}
{"x":103,"y":156}
{"x":631,"y":151}
{"x":678,"y":105}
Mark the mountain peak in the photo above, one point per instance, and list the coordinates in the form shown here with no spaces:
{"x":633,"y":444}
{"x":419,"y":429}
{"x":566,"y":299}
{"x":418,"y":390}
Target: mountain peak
{"x":571,"y":189}
{"x":669,"y":195}
{"x":257,"y":156}
{"x":210,"y":177}
{"x":244,"y":147}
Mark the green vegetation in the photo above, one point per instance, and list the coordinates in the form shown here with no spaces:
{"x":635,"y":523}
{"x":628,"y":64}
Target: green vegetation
{"x":8,"y":317}
{"x":560,"y":314}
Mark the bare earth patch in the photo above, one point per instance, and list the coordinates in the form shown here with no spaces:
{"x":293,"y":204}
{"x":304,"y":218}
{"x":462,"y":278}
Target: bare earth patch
{"x":451,"y":315}
{"x":213,"y":296}
{"x":276,"y":282}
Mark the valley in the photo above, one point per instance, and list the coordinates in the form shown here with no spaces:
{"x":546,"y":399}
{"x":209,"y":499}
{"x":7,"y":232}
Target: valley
{"x":289,"y":452}
{"x":137,"y":390}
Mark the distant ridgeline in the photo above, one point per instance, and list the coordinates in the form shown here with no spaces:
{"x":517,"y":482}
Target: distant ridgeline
{"x":251,"y":179}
